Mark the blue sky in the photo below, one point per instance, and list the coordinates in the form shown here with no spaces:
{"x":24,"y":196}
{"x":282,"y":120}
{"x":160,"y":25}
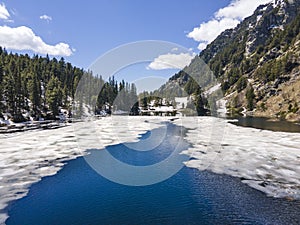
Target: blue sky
{"x":94,"y":27}
{"x":81,"y":31}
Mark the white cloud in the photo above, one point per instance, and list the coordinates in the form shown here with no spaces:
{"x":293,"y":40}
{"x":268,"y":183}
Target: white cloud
{"x":171,"y":61}
{"x":240,"y":9}
{"x":207,"y":32}
{"x":225,"y":18}
{"x":202,"y":46}
{"x":4,"y":14}
{"x":23,"y":38}
{"x":46,"y":17}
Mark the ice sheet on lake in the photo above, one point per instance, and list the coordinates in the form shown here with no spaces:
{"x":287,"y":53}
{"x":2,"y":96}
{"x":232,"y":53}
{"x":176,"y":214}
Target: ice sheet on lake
{"x":265,"y":160}
{"x":27,"y":157}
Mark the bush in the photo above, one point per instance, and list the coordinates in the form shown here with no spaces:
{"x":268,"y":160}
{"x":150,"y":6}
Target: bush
{"x":241,"y":84}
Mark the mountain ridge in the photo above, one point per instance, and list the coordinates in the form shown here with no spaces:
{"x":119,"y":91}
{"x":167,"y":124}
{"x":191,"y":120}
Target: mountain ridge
{"x":257,"y":63}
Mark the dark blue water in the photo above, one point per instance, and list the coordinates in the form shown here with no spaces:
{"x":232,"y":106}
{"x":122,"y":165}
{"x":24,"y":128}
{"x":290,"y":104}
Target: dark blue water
{"x":79,"y":195}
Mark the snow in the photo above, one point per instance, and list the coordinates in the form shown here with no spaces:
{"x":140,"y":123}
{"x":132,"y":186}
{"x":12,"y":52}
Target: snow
{"x":258,"y":18}
{"x":27,"y":157}
{"x":280,"y":3}
{"x":120,"y":112}
{"x":264,"y":8}
{"x":4,"y":122}
{"x":266,"y":160}
{"x":164,"y":108}
{"x":212,"y":89}
{"x":181,"y":101}
{"x":221,"y":104}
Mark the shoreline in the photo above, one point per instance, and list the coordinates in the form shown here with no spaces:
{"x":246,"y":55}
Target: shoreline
{"x":55,"y":124}
{"x":35,"y":125}
{"x":22,"y":127}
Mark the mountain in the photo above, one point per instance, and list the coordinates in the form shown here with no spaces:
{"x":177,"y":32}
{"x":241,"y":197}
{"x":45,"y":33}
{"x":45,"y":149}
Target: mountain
{"x":257,"y":63}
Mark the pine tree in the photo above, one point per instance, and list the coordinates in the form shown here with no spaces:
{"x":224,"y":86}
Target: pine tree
{"x":54,"y":95}
{"x":34,"y":89}
{"x":200,"y":102}
{"x":250,"y":98}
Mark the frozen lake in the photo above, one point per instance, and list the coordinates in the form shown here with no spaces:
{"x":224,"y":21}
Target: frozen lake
{"x":265,"y":160}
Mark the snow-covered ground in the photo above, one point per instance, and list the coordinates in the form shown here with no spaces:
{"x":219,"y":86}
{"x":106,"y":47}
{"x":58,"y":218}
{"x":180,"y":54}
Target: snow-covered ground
{"x":222,"y":110}
{"x":212,"y":89}
{"x":266,"y":160}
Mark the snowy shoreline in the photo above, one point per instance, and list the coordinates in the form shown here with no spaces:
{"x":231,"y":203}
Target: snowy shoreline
{"x":30,"y":125}
{"x":265,"y":160}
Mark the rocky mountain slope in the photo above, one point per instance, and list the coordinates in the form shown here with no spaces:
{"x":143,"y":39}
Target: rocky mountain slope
{"x":257,"y":63}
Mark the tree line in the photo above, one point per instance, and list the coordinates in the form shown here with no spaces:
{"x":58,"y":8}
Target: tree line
{"x":38,"y":87}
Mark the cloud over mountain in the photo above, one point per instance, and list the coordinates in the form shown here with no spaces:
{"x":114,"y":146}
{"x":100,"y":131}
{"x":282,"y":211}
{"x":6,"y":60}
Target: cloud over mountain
{"x":225,"y":18}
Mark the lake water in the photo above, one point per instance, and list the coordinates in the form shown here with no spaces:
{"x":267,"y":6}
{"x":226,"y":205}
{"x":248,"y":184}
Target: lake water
{"x":79,"y":195}
{"x":266,"y":124}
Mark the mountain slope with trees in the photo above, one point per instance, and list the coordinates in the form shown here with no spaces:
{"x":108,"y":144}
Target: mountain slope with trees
{"x":258,"y":62}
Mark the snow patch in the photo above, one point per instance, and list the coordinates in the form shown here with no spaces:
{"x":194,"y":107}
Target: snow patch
{"x":264,"y":8}
{"x":221,"y":105}
{"x":181,"y":102}
{"x":212,"y":89}
{"x":258,"y":18}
